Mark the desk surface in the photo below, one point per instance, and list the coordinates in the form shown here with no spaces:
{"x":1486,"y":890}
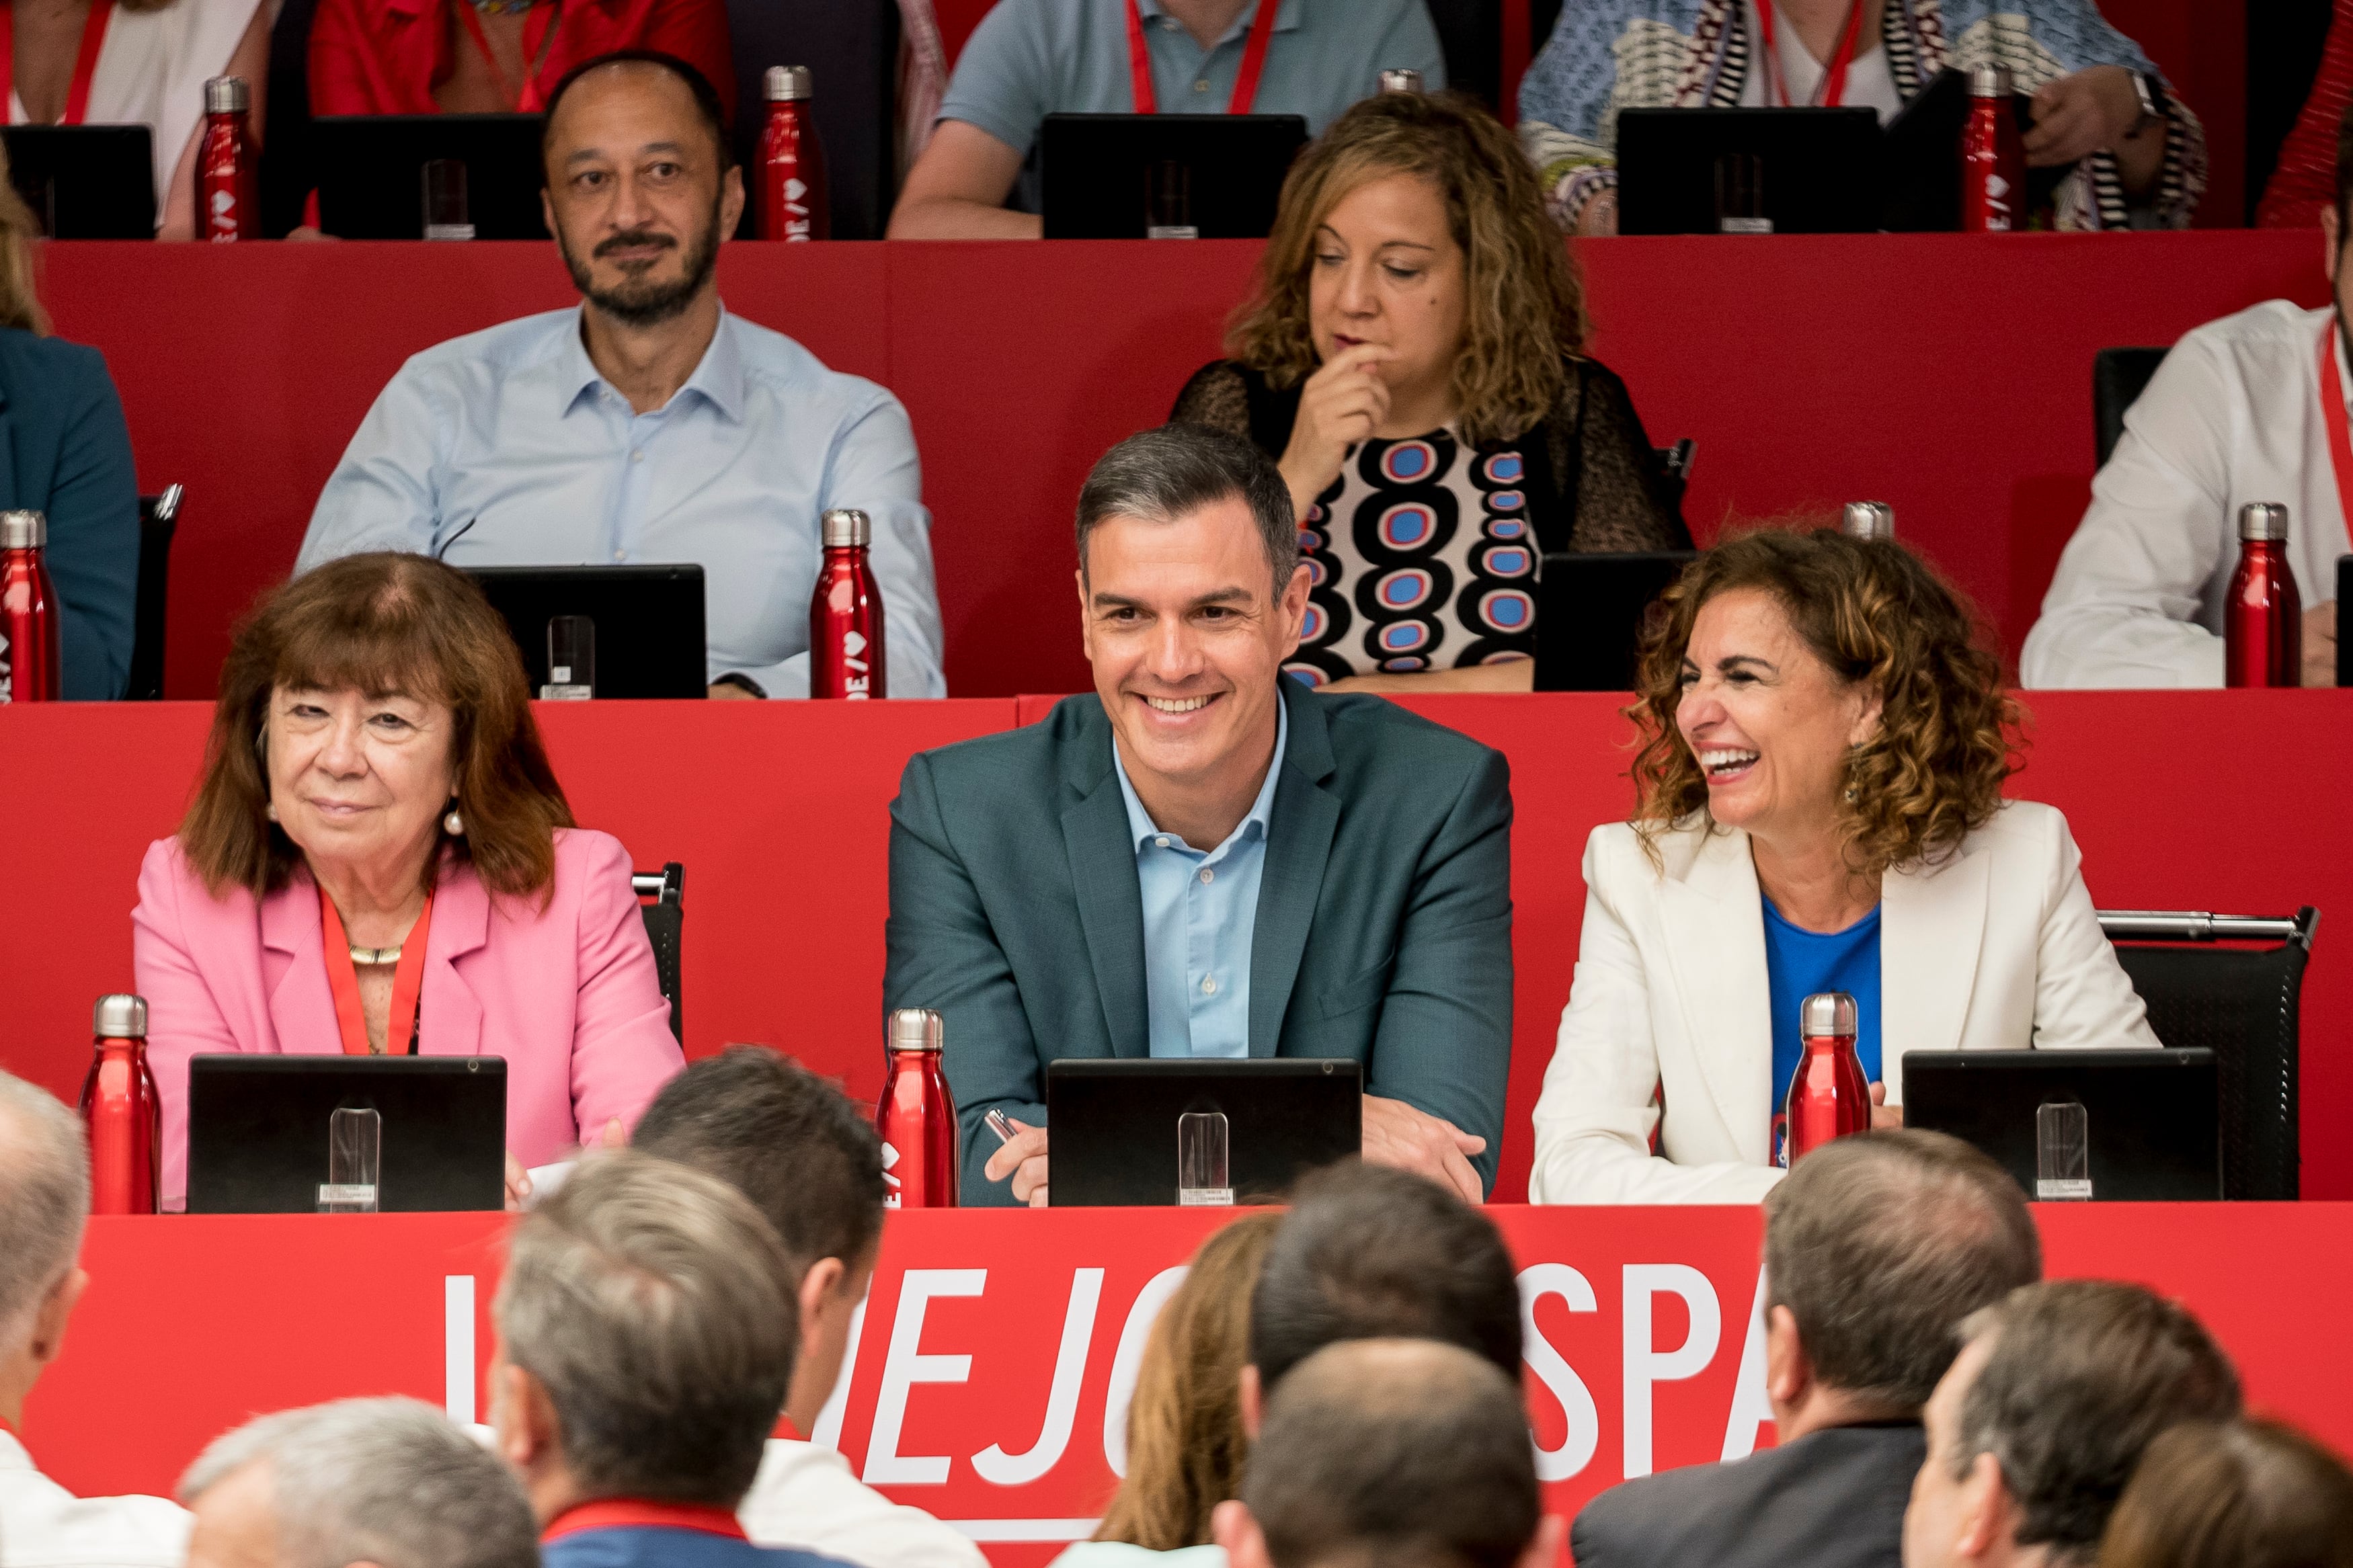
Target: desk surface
{"x":1645,"y":1352}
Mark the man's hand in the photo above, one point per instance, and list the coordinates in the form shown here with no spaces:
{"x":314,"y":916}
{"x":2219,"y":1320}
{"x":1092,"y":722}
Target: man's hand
{"x":1341,"y":404}
{"x":1023,"y":1157}
{"x":2320,"y":644}
{"x":2078,"y":115}
{"x":1882,"y":1114}
{"x":1397,"y":1134}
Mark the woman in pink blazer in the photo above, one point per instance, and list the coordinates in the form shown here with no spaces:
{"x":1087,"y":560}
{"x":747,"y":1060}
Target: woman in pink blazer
{"x":380,"y":859}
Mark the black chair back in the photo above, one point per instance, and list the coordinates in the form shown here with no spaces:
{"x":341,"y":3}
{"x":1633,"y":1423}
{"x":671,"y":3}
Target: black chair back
{"x":2119,"y":378}
{"x":665,"y":915}
{"x":2242,"y":1004}
{"x":158,"y":518}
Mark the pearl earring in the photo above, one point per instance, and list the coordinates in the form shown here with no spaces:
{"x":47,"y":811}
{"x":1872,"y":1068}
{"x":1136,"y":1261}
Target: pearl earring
{"x":454,"y":823}
{"x":271,"y":811}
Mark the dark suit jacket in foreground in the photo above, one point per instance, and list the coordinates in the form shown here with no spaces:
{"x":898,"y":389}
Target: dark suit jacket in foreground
{"x":1384,"y":915}
{"x":1833,"y":1498}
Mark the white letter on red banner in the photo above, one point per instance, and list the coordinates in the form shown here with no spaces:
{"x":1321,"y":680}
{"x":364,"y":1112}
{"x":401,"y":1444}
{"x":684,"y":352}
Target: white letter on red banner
{"x":992,"y":1463}
{"x":904,"y":1367}
{"x":1552,"y":1369}
{"x":1645,"y":1365}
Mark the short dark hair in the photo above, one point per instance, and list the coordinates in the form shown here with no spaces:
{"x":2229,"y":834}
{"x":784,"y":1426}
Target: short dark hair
{"x":708,"y":108}
{"x":1394,"y":1451}
{"x":2082,"y":1376}
{"x":1881,"y":1244}
{"x":1367,"y":1252}
{"x":792,"y":1143}
{"x":1162,"y":475}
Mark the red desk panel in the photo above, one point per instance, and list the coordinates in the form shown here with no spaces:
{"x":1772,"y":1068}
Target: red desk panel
{"x":1949,"y":374}
{"x":1645,"y":1356}
{"x":780,"y":814}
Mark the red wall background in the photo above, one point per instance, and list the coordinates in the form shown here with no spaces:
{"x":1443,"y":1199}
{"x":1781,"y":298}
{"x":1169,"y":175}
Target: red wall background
{"x":1949,"y":374}
{"x":779,"y":812}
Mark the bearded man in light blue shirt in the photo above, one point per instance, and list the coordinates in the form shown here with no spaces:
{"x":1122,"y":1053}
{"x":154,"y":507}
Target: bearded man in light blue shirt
{"x":646,"y":424}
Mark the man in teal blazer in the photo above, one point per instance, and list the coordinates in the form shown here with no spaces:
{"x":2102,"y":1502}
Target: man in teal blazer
{"x":1051,"y":896}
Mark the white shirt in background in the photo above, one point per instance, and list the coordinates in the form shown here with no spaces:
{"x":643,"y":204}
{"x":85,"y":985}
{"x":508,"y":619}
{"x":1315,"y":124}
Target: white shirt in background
{"x":42,"y":1525}
{"x":805,"y":1498}
{"x":1869,"y":82}
{"x":2234,"y":416}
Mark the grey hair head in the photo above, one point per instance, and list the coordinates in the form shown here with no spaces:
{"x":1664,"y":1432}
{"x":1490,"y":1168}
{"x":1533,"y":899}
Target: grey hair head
{"x":44,"y":1196}
{"x":1160,"y":475}
{"x":389,"y":1481}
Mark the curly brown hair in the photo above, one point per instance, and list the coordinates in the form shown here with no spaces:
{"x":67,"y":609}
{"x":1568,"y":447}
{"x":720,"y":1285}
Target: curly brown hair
{"x":1524,"y":306}
{"x":380,"y":622}
{"x":1870,"y":612}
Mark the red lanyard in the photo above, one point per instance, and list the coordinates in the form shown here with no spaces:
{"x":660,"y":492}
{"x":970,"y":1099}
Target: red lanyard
{"x":1139,"y":60}
{"x":629,"y":1513}
{"x":1834,"y":83}
{"x":343,"y":980}
{"x":535,"y":52}
{"x":2332,"y":413}
{"x":94,"y":38}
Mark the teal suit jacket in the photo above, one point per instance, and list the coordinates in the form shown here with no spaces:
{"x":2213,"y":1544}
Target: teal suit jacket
{"x":65,"y":452}
{"x":1384,"y":925}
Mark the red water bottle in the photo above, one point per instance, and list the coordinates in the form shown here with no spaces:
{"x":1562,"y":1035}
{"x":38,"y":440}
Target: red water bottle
{"x":792,"y":160}
{"x":1993,"y":164}
{"x":1828,"y":1095}
{"x":2263,"y":617}
{"x":118,"y":1102}
{"x":846,"y":614}
{"x":916,"y":1117}
{"x":29,"y":660}
{"x":226,"y":190}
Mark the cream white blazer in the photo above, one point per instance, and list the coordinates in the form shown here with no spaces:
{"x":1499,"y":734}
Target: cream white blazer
{"x":1996,"y":948}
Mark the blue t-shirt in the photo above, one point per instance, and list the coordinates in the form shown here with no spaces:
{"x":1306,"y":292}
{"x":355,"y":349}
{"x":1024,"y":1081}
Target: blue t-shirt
{"x":1797,"y":963}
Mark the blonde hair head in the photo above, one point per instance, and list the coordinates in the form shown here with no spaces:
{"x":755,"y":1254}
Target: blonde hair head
{"x":20,"y":306}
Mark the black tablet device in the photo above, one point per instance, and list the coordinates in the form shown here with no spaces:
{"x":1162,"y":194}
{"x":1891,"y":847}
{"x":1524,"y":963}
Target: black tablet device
{"x":2344,"y":645}
{"x":257,"y":1128}
{"x":84,"y":182}
{"x":2152,"y":1119}
{"x":1589,"y":611}
{"x":1118,"y":1124}
{"x":1818,"y":169}
{"x":374,"y":175}
{"x":1190,"y":176}
{"x":645,"y":626}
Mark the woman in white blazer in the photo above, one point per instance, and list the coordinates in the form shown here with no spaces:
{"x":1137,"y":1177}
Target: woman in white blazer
{"x":1819,"y":808}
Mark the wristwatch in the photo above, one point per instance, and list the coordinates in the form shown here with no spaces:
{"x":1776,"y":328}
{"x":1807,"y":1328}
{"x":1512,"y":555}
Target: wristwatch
{"x":2145,"y":91}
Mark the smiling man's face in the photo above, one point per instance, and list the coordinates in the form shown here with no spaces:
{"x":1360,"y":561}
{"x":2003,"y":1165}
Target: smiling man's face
{"x":1188,"y":636}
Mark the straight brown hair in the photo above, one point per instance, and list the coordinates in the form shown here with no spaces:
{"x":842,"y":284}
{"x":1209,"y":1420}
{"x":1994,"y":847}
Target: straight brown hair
{"x":20,"y":306}
{"x":381,"y":624}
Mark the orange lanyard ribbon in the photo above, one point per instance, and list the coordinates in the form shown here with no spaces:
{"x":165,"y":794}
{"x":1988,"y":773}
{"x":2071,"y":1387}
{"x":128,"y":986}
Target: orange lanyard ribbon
{"x":1834,"y":83}
{"x":343,"y":980}
{"x":93,"y":39}
{"x":1139,"y":60}
{"x":536,"y":34}
{"x":2332,"y":414}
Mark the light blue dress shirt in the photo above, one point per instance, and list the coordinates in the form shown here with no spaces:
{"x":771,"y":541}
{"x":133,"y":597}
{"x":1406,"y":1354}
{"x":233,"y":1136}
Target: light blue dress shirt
{"x":1200,"y":910}
{"x":1030,"y":58}
{"x":506,"y":447}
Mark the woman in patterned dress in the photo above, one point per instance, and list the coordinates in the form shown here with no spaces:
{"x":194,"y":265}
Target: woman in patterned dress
{"x":2138,"y":155}
{"x":1414,"y":361}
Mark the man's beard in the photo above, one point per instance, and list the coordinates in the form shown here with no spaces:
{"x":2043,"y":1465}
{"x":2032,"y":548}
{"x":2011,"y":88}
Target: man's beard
{"x":637,"y":300}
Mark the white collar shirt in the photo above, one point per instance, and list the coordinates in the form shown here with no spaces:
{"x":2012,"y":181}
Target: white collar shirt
{"x":1870,"y":81}
{"x":2234,"y":416}
{"x":806,"y":1499}
{"x":42,"y":1525}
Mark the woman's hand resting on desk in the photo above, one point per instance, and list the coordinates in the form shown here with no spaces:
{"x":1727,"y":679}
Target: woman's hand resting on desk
{"x":1022,"y":1157}
{"x":1882,"y":1114}
{"x":519,"y":1183}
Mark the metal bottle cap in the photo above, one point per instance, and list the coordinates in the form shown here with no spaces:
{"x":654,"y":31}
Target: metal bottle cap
{"x":1826,"y":1013}
{"x":790,"y":84}
{"x":1868,"y":519}
{"x":121,"y":1017}
{"x":845,"y":526}
{"x":916,"y":1029}
{"x":228,"y":95}
{"x":24,"y":530}
{"x":1400,"y":82}
{"x":2263,"y":520}
{"x":1991,"y":81}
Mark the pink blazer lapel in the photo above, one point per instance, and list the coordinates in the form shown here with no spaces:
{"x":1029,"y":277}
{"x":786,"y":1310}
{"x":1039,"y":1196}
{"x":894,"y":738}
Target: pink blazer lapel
{"x":301,"y":1007}
{"x":451,"y":1014}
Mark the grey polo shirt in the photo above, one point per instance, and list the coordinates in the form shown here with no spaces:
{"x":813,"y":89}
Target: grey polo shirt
{"x":1030,"y":58}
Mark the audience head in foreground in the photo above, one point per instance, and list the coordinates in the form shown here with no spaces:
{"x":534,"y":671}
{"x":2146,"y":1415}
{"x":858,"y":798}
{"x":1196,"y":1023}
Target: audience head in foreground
{"x":2056,"y":1393}
{"x":2233,"y":1494}
{"x":1397,"y":1452}
{"x":1824,"y":736}
{"x":644,"y":1343}
{"x":1876,"y":1247}
{"x":1342,"y":865}
{"x":387,"y":1482}
{"x":1186,"y":1440}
